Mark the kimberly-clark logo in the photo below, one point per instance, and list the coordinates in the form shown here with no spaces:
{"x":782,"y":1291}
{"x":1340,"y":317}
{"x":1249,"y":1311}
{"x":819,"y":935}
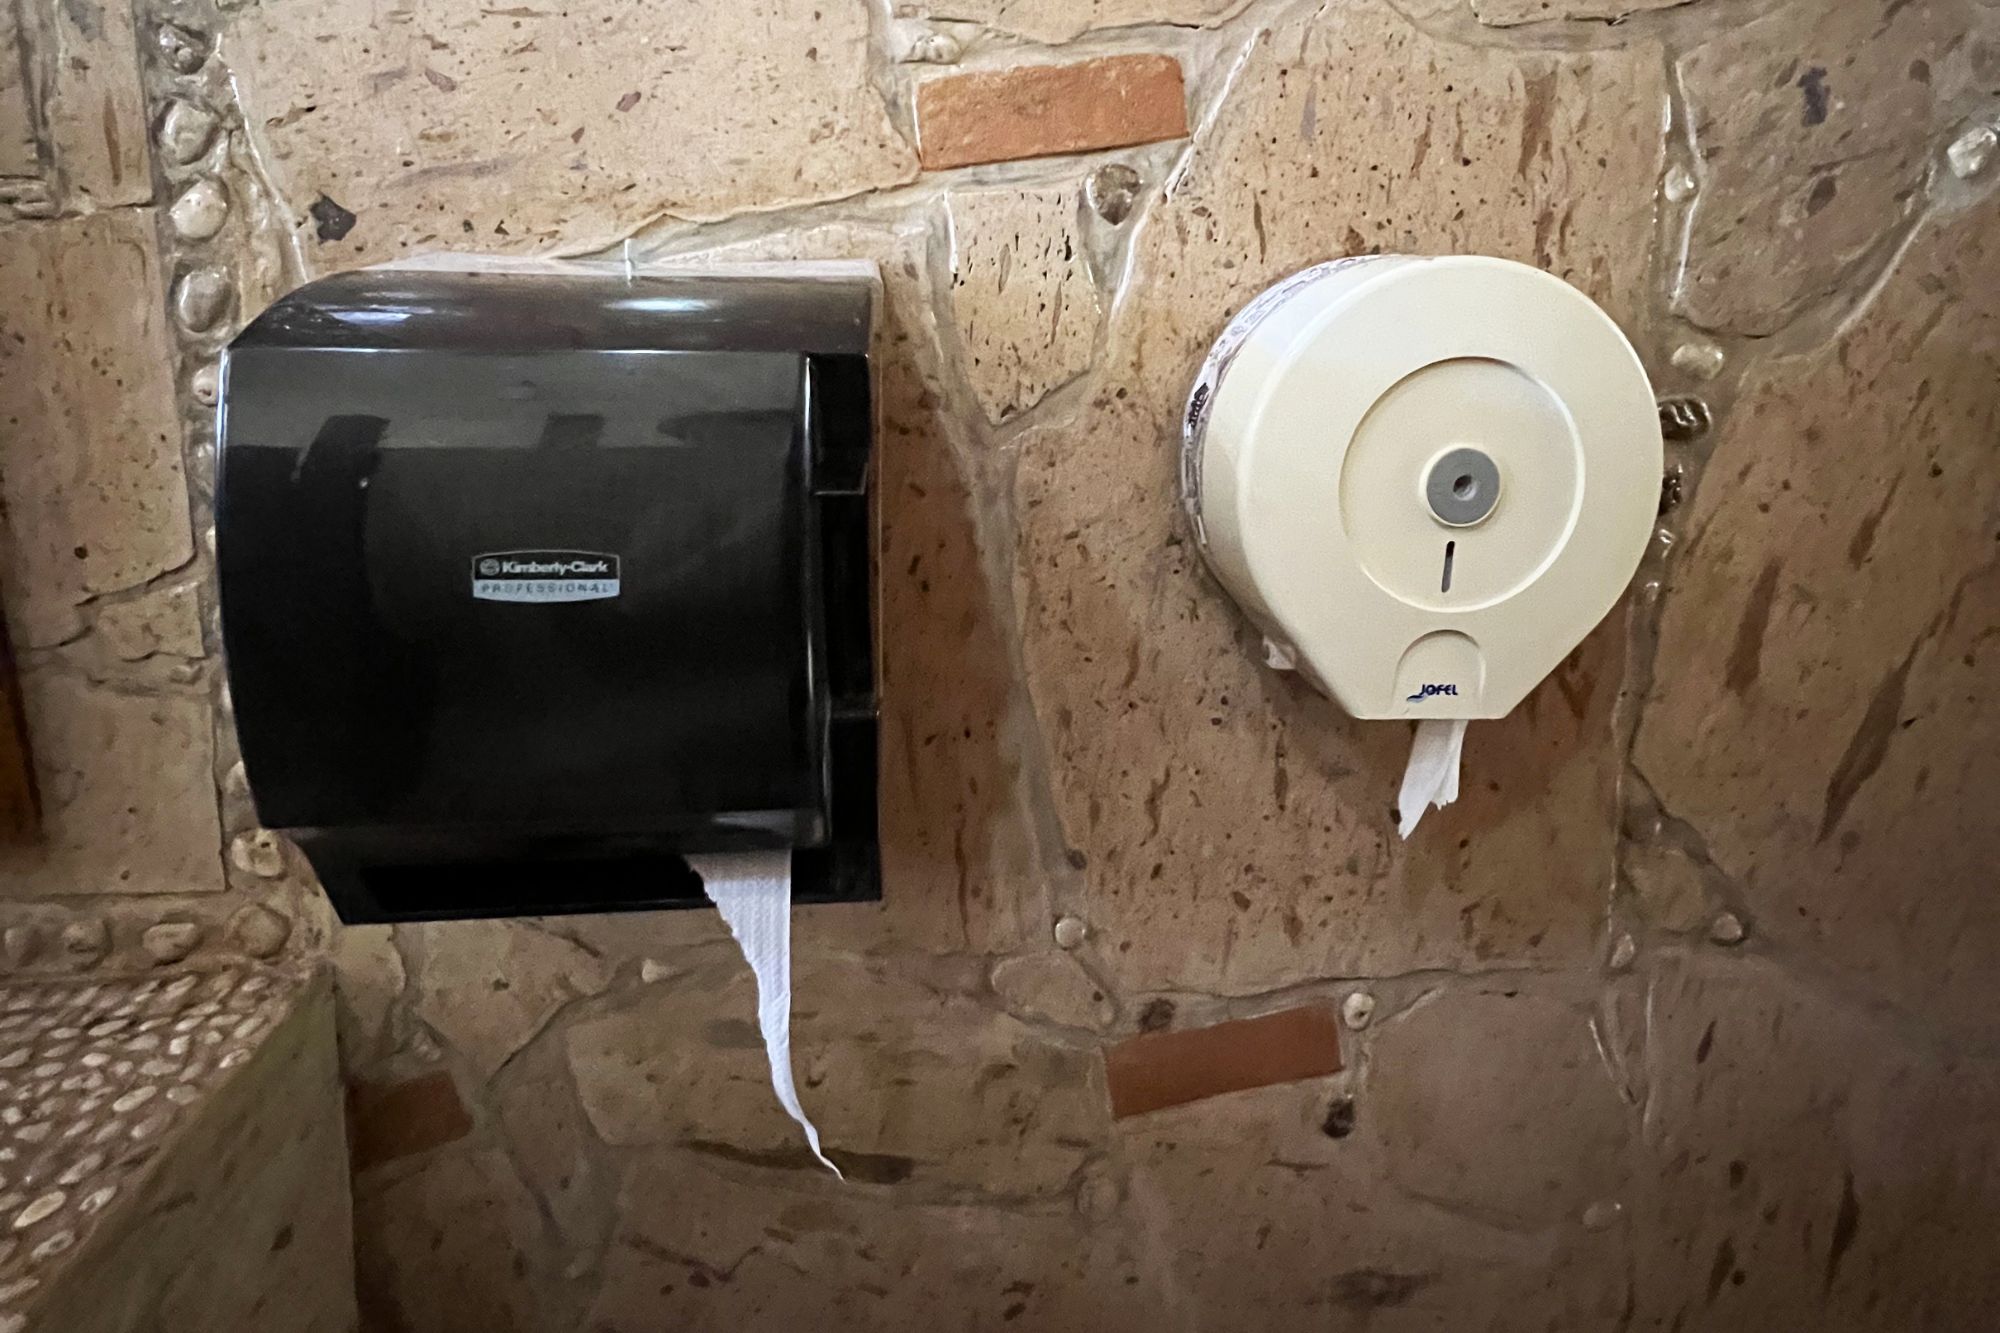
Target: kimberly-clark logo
{"x":1432,"y":692}
{"x":544,"y":576}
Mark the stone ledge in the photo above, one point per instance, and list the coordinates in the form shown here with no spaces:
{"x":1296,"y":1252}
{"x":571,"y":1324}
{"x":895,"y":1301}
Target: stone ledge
{"x":172,"y":1154}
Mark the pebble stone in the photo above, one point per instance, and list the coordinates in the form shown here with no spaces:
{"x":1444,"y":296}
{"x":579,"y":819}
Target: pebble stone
{"x":80,"y":1116}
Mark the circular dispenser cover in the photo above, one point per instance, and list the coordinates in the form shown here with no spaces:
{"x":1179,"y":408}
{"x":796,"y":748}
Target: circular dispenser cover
{"x":1427,"y":478}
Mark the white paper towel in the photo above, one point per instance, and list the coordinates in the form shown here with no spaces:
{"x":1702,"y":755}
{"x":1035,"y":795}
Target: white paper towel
{"x":1432,"y":777}
{"x":753,"y":892}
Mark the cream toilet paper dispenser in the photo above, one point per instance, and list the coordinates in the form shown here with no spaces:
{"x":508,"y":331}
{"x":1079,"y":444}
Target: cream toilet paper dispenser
{"x":1424,"y":479}
{"x":534,"y":582}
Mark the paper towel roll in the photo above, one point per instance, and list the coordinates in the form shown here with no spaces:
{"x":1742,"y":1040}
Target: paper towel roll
{"x":753,"y":891}
{"x":1432,"y":776}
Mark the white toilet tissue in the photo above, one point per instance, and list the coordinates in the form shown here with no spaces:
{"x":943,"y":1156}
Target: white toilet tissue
{"x":1432,"y":777}
{"x":753,"y":891}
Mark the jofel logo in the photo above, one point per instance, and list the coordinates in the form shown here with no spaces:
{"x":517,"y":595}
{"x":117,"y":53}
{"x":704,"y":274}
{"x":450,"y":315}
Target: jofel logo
{"x":1432,"y":692}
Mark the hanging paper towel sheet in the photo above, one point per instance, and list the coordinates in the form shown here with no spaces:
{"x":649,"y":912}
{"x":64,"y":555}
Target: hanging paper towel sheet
{"x":1432,"y":776}
{"x":753,"y":892}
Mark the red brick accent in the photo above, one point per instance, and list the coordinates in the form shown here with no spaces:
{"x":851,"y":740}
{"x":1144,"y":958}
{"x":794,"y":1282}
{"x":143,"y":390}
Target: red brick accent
{"x":390,"y":1120}
{"x":1037,"y":110}
{"x":1159,"y":1069}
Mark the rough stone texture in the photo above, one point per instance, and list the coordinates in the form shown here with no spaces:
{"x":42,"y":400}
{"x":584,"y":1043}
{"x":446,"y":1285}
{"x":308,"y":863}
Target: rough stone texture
{"x":1150,"y":690}
{"x":410,"y":125}
{"x":1060,"y":20}
{"x":128,"y":792}
{"x":90,"y":465}
{"x":486,"y":987}
{"x":1021,"y":292}
{"x":447,"y":1245}
{"x":1051,"y":988}
{"x":1510,"y":13}
{"x":1819,"y":715}
{"x":19,"y":152}
{"x":97,"y":117}
{"x":167,"y":621}
{"x":1647,"y":1044}
{"x":1813,"y":127}
{"x":176,"y":1157}
{"x":1807,"y":1156}
{"x":1038,"y":110}
{"x":908,"y":1076}
{"x":1469,"y":1068}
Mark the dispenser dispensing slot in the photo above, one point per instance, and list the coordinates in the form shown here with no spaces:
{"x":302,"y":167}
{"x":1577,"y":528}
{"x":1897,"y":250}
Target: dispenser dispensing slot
{"x":534,"y":583}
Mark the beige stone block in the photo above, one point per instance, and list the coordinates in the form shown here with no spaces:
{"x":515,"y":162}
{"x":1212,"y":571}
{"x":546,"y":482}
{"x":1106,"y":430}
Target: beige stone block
{"x":90,"y":464}
{"x":1813,"y":125}
{"x":1060,"y":20}
{"x":1003,"y":115}
{"x":1493,"y":1099}
{"x":1511,"y":13}
{"x":1806,"y":1155}
{"x":97,"y":113}
{"x":1819,"y":712}
{"x":487,"y":987}
{"x":167,"y":621}
{"x":20,"y":153}
{"x":1672,"y":890}
{"x":368,"y":981}
{"x":1233,"y":826}
{"x":908,"y":1077}
{"x":454,"y":1243}
{"x":482,"y":126}
{"x":128,"y":792}
{"x":1051,"y":988}
{"x":1021,"y":294}
{"x":700,"y":1245}
{"x":1275,"y":1209}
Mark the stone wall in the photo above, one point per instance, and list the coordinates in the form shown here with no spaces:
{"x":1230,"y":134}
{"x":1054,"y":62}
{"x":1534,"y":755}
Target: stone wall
{"x":1679,"y":1018}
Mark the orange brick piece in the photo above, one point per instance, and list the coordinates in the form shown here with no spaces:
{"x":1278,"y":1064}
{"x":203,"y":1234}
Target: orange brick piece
{"x":1037,"y":110}
{"x":1159,"y":1069}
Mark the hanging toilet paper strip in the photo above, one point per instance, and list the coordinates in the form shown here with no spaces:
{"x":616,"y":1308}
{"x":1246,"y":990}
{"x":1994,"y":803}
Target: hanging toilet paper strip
{"x":753,"y":892}
{"x":1432,"y":776}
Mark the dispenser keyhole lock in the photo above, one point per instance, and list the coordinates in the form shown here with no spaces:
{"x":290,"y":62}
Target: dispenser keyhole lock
{"x":1462,"y":486}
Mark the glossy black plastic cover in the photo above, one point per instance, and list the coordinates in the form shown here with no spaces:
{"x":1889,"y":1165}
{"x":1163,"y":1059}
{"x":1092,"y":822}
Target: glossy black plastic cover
{"x":533,"y":583}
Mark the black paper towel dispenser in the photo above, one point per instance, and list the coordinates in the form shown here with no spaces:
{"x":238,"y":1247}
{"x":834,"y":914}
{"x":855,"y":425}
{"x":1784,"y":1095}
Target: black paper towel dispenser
{"x":533,"y":582}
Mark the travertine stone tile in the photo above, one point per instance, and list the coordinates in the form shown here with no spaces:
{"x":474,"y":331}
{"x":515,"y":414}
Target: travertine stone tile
{"x":1297,"y":1224}
{"x":97,"y":113}
{"x":20,"y":153}
{"x":909,"y":1078}
{"x":1492,"y":1098}
{"x":1234,"y":826}
{"x":700,"y":1241}
{"x":1819,"y":711}
{"x":487,"y":987}
{"x":427,"y":127}
{"x":164,"y":621}
{"x":454,"y":1242}
{"x":1509,"y":13}
{"x":1021,"y":294}
{"x":1806,"y":1155}
{"x":1060,"y":20}
{"x":128,"y":792}
{"x":90,"y":464}
{"x":1813,"y":125}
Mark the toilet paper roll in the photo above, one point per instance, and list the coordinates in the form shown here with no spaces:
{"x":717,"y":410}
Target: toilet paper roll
{"x":753,"y":892}
{"x":1432,"y":776}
